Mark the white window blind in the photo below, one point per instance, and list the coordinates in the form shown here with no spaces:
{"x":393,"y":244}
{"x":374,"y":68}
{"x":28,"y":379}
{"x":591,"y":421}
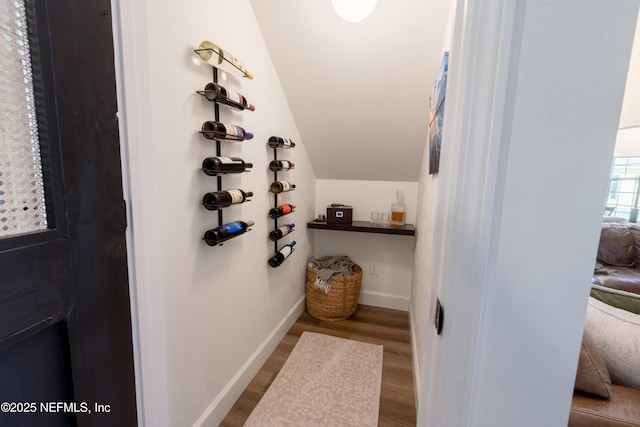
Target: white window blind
{"x":22,"y":203}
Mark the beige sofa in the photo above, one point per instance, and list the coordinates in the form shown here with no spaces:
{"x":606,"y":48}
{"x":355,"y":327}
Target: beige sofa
{"x":607,"y":389}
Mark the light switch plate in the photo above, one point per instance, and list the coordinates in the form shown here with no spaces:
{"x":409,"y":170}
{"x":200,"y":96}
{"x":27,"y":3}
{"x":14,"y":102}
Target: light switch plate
{"x":439,"y":317}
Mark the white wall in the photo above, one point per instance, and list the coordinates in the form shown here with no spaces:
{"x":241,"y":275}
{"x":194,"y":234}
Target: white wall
{"x":392,"y":255}
{"x":365,"y":196}
{"x":628,"y":143}
{"x":513,"y":279}
{"x":420,"y":304}
{"x":421,"y":308}
{"x":207,"y":316}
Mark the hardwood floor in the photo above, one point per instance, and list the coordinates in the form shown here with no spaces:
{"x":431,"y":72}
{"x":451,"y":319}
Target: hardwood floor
{"x":374,"y":325}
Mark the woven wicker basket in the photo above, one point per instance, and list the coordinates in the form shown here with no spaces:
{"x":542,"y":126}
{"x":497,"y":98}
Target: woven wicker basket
{"x":342,"y":299}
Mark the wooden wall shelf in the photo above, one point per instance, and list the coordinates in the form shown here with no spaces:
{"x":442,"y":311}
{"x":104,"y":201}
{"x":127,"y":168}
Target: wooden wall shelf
{"x":365,"y":227}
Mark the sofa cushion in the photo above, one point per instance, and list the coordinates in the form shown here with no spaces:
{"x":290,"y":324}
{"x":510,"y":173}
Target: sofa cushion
{"x":616,"y":335}
{"x":627,"y":279}
{"x":634,"y":229}
{"x":622,"y":410}
{"x":618,"y":298}
{"x":616,"y":246}
{"x":592,"y":375}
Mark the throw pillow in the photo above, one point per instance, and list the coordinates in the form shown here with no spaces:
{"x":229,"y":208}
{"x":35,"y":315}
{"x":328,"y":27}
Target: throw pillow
{"x":616,"y":335}
{"x":616,"y":246}
{"x":592,"y":375}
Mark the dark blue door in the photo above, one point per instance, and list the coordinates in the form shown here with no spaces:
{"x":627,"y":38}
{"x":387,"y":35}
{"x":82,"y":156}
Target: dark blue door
{"x":66,"y":355}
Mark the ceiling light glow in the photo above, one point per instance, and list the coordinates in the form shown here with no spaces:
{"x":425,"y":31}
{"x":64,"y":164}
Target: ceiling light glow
{"x":354,"y":10}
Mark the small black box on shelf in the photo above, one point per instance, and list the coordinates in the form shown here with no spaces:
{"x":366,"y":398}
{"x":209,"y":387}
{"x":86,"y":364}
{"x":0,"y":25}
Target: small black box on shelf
{"x":339,"y":214}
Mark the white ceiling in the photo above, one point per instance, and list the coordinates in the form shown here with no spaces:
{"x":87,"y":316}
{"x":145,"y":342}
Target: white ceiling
{"x":359,"y":92}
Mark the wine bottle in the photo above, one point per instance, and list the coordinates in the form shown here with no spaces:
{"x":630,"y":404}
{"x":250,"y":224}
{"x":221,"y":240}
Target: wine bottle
{"x":280,"y":165}
{"x":277,"y":142}
{"x":280,"y":232}
{"x":281,"y":210}
{"x":281,"y":186}
{"x":213,"y":166}
{"x":281,"y":255}
{"x":221,"y":199}
{"x":218,"y":93}
{"x":216,"y":130}
{"x":217,"y":235}
{"x":222,"y":59}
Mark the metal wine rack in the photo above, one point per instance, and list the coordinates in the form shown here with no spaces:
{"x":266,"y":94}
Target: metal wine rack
{"x":216,"y":107}
{"x":275,"y":201}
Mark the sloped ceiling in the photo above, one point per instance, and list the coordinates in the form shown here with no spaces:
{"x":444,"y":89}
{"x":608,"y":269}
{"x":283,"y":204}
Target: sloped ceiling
{"x":630,"y":115}
{"x":359,"y":92}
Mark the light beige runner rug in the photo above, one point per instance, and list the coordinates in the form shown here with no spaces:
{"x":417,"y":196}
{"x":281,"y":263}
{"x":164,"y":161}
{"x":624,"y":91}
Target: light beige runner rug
{"x":325,"y":382}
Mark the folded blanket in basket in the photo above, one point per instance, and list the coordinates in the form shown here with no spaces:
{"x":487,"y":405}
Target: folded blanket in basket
{"x":328,"y":266}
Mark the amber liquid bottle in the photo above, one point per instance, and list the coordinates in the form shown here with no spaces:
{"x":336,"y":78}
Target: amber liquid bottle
{"x":398,"y":209}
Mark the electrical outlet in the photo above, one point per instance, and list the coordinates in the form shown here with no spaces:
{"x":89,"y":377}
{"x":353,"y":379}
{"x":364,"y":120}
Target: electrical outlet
{"x":373,"y":270}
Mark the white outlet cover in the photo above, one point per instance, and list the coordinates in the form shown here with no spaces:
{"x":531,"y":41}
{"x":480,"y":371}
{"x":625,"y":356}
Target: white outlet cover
{"x":373,"y":270}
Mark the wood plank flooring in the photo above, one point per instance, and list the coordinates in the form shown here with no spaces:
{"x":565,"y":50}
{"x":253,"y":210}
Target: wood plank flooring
{"x":374,"y":325}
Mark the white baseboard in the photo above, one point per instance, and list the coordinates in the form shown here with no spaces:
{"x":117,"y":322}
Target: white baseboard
{"x":417,"y":386}
{"x":215,"y":413}
{"x":377,"y":299}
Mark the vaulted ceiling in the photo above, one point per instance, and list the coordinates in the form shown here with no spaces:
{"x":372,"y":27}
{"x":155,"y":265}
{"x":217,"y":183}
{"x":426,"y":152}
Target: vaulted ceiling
{"x":359,"y":92}
{"x":630,"y":116}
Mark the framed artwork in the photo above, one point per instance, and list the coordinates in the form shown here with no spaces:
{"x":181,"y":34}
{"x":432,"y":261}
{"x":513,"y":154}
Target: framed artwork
{"x":436,"y":115}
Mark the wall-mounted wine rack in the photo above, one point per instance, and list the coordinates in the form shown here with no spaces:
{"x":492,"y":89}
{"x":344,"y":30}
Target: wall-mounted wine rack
{"x":216,"y":108}
{"x":274,"y":261}
{"x":217,"y":236}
